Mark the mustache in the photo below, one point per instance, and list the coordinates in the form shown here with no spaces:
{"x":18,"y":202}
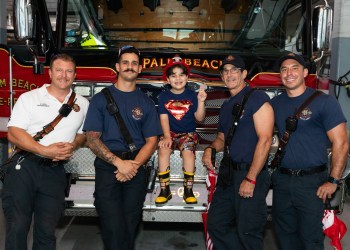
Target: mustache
{"x":131,"y":70}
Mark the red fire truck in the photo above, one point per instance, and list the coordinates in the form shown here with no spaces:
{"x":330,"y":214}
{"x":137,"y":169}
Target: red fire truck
{"x":202,"y":32}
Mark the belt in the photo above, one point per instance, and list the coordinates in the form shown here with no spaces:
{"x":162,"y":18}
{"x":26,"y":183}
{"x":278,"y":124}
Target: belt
{"x":240,"y":166}
{"x":227,"y":162}
{"x":39,"y":159}
{"x":301,"y":172}
{"x":243,"y":166}
{"x":126,"y":155}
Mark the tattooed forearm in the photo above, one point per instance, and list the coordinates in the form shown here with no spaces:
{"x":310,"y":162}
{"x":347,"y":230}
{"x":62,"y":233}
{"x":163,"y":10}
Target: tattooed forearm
{"x":79,"y":141}
{"x":98,"y":147}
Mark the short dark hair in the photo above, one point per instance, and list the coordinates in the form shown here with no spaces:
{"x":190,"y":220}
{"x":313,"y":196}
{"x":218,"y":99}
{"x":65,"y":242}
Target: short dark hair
{"x":64,"y":57}
{"x":169,"y":71}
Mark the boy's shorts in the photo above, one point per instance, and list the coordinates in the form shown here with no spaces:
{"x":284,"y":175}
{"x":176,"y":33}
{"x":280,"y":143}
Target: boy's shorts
{"x":184,"y":141}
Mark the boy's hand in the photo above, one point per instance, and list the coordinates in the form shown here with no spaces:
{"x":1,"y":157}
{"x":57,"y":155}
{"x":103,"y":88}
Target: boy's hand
{"x":165,"y":143}
{"x":202,"y":95}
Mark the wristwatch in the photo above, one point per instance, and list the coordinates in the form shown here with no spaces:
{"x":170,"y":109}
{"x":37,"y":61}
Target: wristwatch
{"x":333,"y":180}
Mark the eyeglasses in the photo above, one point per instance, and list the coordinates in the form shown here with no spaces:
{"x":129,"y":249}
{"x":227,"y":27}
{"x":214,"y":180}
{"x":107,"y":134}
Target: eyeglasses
{"x":128,"y":47}
{"x":233,"y":70}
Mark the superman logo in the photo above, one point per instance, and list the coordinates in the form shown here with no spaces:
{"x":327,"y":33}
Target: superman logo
{"x":178,"y":108}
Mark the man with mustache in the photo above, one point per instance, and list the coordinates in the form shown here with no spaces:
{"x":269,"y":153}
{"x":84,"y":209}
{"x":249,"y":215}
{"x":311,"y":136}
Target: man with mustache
{"x":238,"y":211}
{"x":179,"y":109}
{"x":35,"y":181}
{"x":120,"y":184}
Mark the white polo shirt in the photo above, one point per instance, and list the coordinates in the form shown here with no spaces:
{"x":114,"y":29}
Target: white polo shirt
{"x":37,"y":108}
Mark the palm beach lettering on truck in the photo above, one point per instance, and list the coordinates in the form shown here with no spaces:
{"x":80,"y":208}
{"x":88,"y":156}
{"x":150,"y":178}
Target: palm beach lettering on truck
{"x":2,"y":82}
{"x":161,"y":62}
{"x":24,"y":84}
{"x":20,"y":83}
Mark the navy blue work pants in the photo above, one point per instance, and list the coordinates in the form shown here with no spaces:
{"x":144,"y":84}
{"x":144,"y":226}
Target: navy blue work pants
{"x":119,"y":207}
{"x":297,"y":212}
{"x":33,"y":189}
{"x":235,"y":222}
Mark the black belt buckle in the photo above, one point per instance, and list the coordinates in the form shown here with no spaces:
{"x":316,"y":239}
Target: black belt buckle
{"x":126,"y":155}
{"x":296,"y":172}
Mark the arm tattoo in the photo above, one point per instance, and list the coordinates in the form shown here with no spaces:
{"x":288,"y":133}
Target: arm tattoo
{"x":98,"y":147}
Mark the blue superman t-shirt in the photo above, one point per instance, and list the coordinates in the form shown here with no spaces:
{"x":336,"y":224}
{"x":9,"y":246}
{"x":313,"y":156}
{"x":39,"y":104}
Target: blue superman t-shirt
{"x":180,"y":109}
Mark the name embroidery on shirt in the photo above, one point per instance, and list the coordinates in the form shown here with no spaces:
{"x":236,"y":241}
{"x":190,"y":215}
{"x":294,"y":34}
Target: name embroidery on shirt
{"x":43,"y":105}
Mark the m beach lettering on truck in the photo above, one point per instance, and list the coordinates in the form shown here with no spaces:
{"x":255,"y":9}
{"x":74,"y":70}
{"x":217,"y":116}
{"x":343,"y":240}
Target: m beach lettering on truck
{"x":202,"y":32}
{"x":24,"y":84}
{"x":20,"y":83}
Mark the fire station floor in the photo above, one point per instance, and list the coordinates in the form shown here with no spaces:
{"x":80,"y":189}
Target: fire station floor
{"x":83,"y":233}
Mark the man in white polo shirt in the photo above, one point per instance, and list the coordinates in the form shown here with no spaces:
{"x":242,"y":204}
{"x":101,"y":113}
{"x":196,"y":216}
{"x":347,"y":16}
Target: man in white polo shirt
{"x":35,"y":179}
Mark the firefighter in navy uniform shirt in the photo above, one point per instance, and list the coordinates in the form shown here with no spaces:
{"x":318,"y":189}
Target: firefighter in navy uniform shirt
{"x":35,"y":182}
{"x":120,"y":184}
{"x":300,"y":185}
{"x":238,"y":211}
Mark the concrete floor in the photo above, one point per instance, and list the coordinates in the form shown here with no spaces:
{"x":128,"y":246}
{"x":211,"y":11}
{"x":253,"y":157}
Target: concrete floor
{"x":82,"y":233}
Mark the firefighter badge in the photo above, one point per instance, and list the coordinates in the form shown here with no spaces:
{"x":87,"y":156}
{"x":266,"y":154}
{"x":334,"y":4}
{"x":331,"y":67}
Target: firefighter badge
{"x":76,"y":107}
{"x":137,"y":113}
{"x":305,"y":114}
